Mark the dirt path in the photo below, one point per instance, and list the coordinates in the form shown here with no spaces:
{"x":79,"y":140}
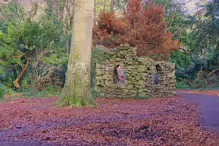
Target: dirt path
{"x":209,"y":107}
{"x":157,"y":121}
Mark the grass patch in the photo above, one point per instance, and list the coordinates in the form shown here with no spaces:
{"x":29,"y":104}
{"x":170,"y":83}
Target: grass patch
{"x":47,"y":91}
{"x":2,"y":93}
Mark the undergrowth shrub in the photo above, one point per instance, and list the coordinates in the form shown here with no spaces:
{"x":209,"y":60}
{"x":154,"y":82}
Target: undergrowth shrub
{"x":200,"y":81}
{"x":47,"y":91}
{"x":182,"y":85}
{"x":198,"y":84}
{"x":2,"y":92}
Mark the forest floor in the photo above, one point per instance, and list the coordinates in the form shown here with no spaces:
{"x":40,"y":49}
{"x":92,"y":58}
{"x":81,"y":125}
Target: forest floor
{"x":156,"y":121}
{"x":203,"y":92}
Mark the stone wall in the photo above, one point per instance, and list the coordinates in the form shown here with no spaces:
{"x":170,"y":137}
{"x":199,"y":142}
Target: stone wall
{"x":139,"y":76}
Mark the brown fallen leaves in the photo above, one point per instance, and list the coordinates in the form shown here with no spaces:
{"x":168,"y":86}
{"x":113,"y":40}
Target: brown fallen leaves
{"x":203,"y":92}
{"x":160,"y":121}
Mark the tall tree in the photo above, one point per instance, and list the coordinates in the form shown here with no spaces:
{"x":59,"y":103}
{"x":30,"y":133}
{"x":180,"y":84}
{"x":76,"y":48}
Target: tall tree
{"x":77,"y":90}
{"x":139,"y":27}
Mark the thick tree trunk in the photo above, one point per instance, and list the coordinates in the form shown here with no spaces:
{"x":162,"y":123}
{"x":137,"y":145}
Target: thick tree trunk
{"x":77,"y":90}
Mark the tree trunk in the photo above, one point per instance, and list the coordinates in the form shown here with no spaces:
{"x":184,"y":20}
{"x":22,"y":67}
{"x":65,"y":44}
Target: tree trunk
{"x":112,"y":6}
{"x":77,"y":89}
{"x":24,"y":69}
{"x":104,"y":5}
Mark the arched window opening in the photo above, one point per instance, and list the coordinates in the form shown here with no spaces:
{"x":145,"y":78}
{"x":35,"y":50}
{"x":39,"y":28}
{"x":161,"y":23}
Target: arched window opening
{"x":156,"y":75}
{"x":115,"y":75}
{"x":158,"y":68}
{"x":119,"y":75}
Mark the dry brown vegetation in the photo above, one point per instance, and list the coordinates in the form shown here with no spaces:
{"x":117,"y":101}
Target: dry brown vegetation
{"x":162,"y":121}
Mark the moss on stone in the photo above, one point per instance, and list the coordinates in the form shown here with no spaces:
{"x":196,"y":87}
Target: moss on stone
{"x":139,"y":75}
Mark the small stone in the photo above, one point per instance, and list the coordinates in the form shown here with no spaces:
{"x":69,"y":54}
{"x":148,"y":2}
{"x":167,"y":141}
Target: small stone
{"x":108,"y":83}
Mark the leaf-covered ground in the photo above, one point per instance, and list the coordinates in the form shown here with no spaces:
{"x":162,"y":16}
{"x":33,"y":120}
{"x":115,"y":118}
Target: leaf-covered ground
{"x":160,"y":121}
{"x":205,"y":92}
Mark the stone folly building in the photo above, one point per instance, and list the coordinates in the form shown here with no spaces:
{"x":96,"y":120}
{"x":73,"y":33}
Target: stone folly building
{"x":143,"y":77}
